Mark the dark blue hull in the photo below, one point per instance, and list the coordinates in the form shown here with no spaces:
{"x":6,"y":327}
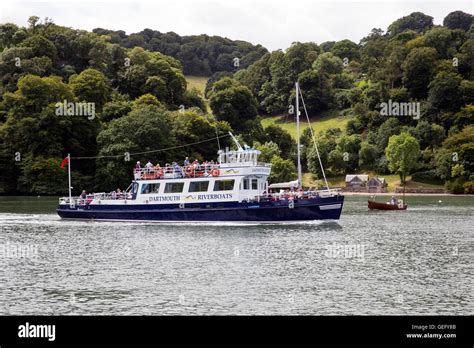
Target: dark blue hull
{"x":269,"y":211}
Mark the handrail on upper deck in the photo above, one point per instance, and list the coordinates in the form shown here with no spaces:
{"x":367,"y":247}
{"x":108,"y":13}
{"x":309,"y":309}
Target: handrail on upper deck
{"x":189,"y":171}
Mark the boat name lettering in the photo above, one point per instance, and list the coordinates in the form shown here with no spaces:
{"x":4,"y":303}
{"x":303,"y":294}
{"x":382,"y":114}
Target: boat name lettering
{"x":203,"y":197}
{"x":215,"y":196}
{"x":164,"y":198}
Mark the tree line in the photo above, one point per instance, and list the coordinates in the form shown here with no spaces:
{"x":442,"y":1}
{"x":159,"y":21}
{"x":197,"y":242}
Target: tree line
{"x":142,"y":102}
{"x":413,"y":64}
{"x":200,"y":55}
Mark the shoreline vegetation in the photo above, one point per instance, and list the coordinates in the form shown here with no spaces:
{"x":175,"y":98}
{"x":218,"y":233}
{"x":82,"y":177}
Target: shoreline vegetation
{"x":400,"y":101}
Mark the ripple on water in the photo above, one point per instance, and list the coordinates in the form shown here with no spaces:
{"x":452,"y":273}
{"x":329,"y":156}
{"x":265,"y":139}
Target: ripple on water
{"x":414,"y":262}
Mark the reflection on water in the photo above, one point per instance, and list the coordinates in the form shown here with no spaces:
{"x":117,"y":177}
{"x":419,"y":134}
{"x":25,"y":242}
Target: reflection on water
{"x":370,"y":262}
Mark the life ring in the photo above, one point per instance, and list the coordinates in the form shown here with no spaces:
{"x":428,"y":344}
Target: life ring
{"x":189,"y":170}
{"x":215,"y":172}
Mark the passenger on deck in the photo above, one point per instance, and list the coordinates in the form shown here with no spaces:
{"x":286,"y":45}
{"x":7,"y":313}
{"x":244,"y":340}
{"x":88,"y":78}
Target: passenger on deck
{"x":186,"y":161}
{"x":83,"y":194}
{"x":149,"y":166}
{"x":137,"y":167}
{"x":119,"y":194}
{"x":113,"y":195}
{"x":178,"y":170}
{"x":158,"y":169}
{"x":206,"y":166}
{"x":196,"y":165}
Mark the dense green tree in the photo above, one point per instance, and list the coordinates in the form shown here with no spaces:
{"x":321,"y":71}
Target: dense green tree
{"x":444,"y":91}
{"x":268,"y":150}
{"x":418,"y":70}
{"x":90,"y":86}
{"x":189,"y":126}
{"x":41,"y":46}
{"x":283,"y":170}
{"x":458,"y":20}
{"x":368,"y":155}
{"x":402,"y":154}
{"x":446,"y":42}
{"x":415,"y":21}
{"x":145,"y":128}
{"x":115,"y":109}
{"x":458,"y":148}
{"x":233,"y":102}
{"x":428,"y":134}
{"x":216,"y":77}
{"x":346,"y":49}
{"x":283,"y":139}
{"x":7,"y":31}
{"x":390,"y":127}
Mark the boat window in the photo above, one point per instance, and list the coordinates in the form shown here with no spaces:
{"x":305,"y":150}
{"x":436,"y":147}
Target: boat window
{"x":174,"y":187}
{"x":198,"y":186}
{"x":254,"y":184}
{"x":246,"y":184}
{"x":150,"y":188}
{"x":224,"y":185}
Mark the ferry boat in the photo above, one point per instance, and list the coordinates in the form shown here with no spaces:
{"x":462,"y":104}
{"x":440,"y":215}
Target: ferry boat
{"x":235,"y":188}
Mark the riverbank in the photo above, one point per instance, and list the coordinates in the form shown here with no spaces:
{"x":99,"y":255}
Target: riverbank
{"x":406,"y":194}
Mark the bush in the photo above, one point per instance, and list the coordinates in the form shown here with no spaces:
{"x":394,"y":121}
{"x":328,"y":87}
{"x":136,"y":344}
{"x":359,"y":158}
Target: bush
{"x":427,"y":177}
{"x":282,"y":170}
{"x":456,"y":187}
{"x":469,"y":187}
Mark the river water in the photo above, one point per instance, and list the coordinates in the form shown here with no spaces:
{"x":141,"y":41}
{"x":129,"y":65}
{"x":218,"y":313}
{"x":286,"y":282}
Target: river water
{"x":370,"y":262}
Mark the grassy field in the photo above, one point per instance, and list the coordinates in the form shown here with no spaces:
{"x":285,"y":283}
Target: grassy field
{"x":198,"y":82}
{"x":321,"y":122}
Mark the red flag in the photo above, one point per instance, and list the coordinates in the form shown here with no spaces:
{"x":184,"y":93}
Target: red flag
{"x":64,"y":162}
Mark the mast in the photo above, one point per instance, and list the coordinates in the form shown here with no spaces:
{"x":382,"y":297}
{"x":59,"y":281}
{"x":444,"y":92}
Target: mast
{"x":69,"y":177}
{"x":300,"y":180}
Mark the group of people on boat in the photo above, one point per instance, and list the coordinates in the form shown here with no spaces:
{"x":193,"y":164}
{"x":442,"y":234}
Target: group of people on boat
{"x":188,"y":169}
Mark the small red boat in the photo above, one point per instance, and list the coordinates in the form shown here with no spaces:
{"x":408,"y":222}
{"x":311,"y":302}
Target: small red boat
{"x":386,"y":206}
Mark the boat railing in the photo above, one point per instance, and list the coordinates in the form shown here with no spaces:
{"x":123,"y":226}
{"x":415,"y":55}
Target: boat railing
{"x":95,"y":197}
{"x":173,"y":172}
{"x":302,"y":194}
{"x":329,"y":193}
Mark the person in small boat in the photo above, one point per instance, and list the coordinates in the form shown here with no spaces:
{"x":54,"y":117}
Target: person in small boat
{"x":393,"y":200}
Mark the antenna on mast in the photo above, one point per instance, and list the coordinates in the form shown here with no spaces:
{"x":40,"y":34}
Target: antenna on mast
{"x":236,"y":142}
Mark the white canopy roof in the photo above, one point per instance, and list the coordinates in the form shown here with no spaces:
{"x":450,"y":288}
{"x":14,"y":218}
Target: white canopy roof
{"x":284,"y":185}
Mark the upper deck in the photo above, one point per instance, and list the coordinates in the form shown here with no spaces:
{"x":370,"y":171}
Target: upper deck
{"x":229,"y":163}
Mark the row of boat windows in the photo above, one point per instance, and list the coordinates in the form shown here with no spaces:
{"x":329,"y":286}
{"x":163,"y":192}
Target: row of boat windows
{"x":196,"y":186}
{"x":201,"y":186}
